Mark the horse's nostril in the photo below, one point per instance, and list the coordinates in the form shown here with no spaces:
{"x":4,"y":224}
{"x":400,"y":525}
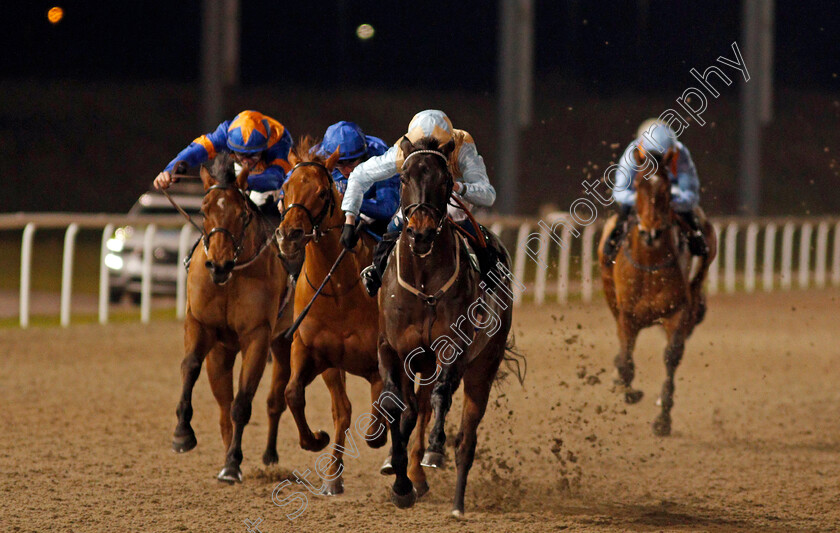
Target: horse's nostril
{"x":295,"y":234}
{"x":208,"y":265}
{"x":410,"y":231}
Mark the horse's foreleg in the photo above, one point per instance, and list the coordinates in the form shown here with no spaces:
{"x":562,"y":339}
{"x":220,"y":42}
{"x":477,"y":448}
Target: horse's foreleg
{"x":625,"y":367}
{"x":280,"y":370}
{"x":254,"y":355}
{"x":441,"y":401}
{"x":676,"y":328}
{"x":303,"y":371}
{"x":393,"y":401}
{"x":418,"y":446}
{"x":341,"y":413}
{"x":376,"y":434}
{"x":220,"y":374}
{"x":197,"y":342}
{"x":477,"y":383}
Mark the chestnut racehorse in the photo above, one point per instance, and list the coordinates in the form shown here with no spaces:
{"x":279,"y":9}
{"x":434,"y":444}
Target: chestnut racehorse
{"x":340,"y":332}
{"x":234,"y":293}
{"x":650,"y":283}
{"x":430,"y":290}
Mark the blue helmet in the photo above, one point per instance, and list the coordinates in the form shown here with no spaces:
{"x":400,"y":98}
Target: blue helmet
{"x":657,"y":138}
{"x":348,"y":136}
{"x":248,"y":133}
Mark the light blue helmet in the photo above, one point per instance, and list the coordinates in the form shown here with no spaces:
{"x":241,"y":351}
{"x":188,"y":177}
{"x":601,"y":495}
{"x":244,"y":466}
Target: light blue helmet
{"x":349,"y":137}
{"x":656,"y":138}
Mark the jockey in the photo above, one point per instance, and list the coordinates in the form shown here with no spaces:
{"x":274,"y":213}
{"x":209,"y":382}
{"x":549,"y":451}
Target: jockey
{"x":656,"y":138}
{"x":258,"y":143}
{"x":381,"y":201}
{"x":471,"y":184}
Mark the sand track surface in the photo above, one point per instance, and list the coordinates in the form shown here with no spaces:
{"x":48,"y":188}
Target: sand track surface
{"x":88,"y":415}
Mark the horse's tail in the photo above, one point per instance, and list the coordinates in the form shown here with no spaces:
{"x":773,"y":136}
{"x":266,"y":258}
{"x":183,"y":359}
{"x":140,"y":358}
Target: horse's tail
{"x":514,"y":361}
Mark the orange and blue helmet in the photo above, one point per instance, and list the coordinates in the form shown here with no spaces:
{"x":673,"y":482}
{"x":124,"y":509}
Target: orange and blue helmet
{"x":248,"y":133}
{"x":349,"y":137}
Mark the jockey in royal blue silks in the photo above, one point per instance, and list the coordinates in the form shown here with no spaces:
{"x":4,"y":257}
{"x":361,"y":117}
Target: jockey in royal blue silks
{"x":256,"y":141}
{"x":471,"y":184}
{"x":381,"y":201}
{"x":656,"y":138}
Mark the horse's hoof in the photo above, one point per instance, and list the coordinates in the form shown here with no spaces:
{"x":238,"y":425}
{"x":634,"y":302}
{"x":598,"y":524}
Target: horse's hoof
{"x":662,"y":426}
{"x":184,"y":443}
{"x":433,"y":460}
{"x":421,"y":488}
{"x":406,"y":500}
{"x":230,"y":474}
{"x":334,"y":487}
{"x":270,"y":457}
{"x":320,"y":441}
{"x":387,"y":469}
{"x":457,"y":514}
{"x":632,"y":396}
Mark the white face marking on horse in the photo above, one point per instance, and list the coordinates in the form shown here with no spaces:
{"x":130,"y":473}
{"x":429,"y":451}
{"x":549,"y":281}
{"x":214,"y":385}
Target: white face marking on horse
{"x":221,"y":203}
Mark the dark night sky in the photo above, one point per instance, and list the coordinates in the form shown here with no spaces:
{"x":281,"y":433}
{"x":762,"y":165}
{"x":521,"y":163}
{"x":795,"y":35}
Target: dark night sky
{"x":426,"y":44}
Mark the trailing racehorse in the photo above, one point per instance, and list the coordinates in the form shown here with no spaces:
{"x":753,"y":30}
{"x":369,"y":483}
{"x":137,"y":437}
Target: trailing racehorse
{"x":437,"y":320}
{"x":340,"y":332}
{"x":234,"y":292}
{"x":650,"y":283}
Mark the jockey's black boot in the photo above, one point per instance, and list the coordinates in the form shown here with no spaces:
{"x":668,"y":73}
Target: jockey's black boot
{"x":612,"y":242}
{"x":696,"y":240}
{"x":372,"y":275}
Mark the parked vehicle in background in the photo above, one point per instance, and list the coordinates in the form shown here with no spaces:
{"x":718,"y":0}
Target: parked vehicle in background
{"x":125,"y":257}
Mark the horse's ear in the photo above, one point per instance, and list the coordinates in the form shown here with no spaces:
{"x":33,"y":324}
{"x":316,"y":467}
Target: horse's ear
{"x":242,"y":180}
{"x":638,"y":157}
{"x":448,"y":148}
{"x":206,"y":178}
{"x":333,"y":159}
{"x":406,"y":146}
{"x":293,"y":158}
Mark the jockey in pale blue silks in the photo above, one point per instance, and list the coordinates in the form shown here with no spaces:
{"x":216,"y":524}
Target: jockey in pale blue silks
{"x":381,"y":201}
{"x":656,"y":138}
{"x":467,"y":167}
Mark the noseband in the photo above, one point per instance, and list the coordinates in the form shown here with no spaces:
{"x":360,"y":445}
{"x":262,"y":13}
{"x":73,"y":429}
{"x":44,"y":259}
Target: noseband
{"x":237,"y":241}
{"x":328,"y":208}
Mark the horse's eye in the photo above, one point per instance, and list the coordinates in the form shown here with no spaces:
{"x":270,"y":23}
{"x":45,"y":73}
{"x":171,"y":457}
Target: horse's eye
{"x":323,"y":194}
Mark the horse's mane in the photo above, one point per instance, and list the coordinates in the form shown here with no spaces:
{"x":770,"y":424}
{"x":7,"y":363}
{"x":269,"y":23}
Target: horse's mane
{"x":221,"y":168}
{"x":307,"y":150}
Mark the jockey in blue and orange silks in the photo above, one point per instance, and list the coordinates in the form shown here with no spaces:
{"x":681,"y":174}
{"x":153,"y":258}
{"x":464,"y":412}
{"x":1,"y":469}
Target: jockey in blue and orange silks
{"x":257,"y":142}
{"x":656,"y":138}
{"x":471,"y":184}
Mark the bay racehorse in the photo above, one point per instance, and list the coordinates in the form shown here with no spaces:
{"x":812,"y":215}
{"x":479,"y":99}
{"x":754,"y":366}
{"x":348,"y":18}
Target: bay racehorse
{"x":650,"y":283}
{"x":340,"y":332}
{"x":235,"y":289}
{"x":439,"y":323}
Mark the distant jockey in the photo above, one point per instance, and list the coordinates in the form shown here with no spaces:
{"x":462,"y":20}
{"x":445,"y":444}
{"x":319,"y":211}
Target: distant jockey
{"x":258,"y":143}
{"x":467,"y":167}
{"x":655,"y":138}
{"x":381,"y":201}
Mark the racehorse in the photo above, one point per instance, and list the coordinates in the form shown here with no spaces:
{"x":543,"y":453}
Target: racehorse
{"x":428,"y":287}
{"x":340,"y":332}
{"x":235,"y":291}
{"x":650,"y":283}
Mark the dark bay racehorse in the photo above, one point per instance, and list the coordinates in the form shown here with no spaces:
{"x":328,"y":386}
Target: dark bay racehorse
{"x":340,"y":332}
{"x":234,"y":292}
{"x":650,"y":283}
{"x":429,"y":291}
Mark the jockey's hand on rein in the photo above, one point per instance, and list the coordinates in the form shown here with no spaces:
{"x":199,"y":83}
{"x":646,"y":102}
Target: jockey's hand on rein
{"x":349,"y":237}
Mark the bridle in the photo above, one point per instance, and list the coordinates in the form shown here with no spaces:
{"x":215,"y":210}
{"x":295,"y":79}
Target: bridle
{"x":238,"y":241}
{"x":326,"y":210}
{"x":435,"y":212}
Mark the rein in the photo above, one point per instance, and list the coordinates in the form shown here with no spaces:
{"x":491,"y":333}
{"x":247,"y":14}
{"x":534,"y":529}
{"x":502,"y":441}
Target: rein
{"x":328,"y":208}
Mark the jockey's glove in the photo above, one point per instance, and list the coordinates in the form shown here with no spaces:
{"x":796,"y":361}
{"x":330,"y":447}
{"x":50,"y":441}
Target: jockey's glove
{"x":349,"y":237}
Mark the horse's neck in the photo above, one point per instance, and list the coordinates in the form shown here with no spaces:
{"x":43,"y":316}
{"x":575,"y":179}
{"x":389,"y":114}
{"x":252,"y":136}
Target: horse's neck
{"x":427,"y":274}
{"x":645,"y":254}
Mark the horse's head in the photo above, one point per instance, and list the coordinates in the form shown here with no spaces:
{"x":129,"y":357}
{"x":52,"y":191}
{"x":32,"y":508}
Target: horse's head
{"x":426,"y":187}
{"x":309,"y":198}
{"x":653,"y":194}
{"x":226,"y":216}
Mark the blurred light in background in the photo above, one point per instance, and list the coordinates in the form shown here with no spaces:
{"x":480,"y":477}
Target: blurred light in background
{"x":55,"y":14}
{"x":364,"y":32}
